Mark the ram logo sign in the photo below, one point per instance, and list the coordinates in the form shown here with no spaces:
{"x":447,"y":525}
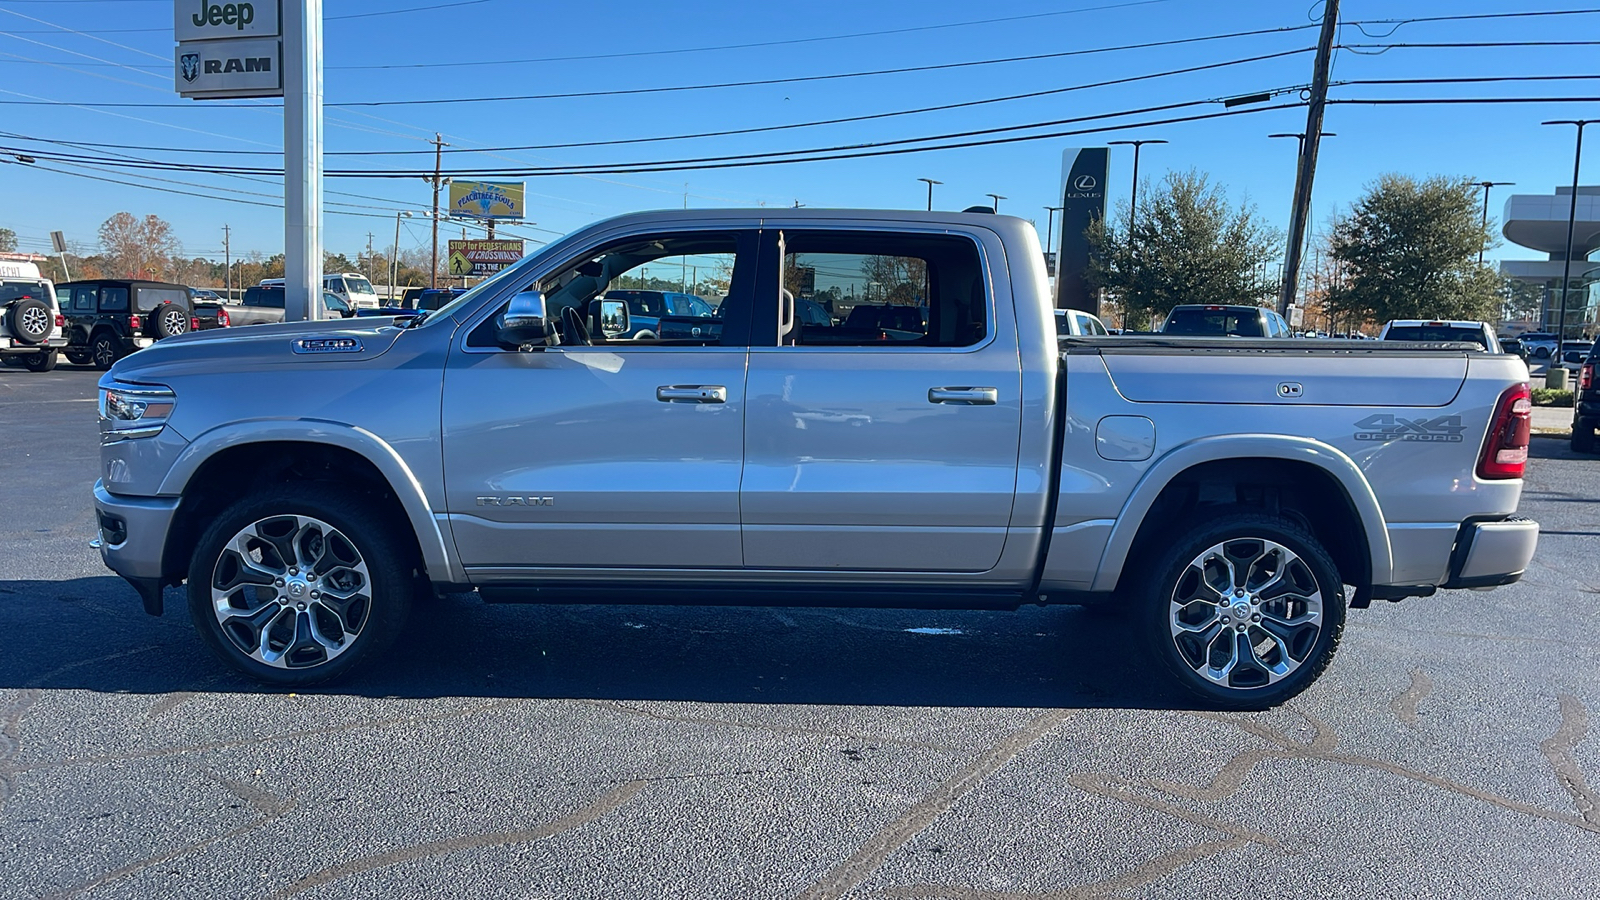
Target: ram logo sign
{"x":1389,"y":427}
{"x":242,"y":67}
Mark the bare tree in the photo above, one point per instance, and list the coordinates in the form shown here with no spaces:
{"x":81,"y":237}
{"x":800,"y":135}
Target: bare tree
{"x":139,"y":248}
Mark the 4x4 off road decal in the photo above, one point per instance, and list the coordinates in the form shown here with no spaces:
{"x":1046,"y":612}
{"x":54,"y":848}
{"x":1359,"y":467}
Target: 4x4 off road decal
{"x":1389,"y":427}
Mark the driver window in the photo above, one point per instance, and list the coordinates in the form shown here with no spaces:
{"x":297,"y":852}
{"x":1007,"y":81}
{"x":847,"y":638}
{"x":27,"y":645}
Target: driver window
{"x":663,"y":279}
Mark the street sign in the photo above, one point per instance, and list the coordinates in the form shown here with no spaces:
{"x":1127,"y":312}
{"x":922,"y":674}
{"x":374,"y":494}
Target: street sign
{"x":232,"y":68}
{"x":201,"y":20}
{"x":58,"y":242}
{"x":482,"y":257}
{"x":487,"y":199}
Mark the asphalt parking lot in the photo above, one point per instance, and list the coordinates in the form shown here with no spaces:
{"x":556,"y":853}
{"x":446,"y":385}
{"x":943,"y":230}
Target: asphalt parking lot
{"x":631,"y":752}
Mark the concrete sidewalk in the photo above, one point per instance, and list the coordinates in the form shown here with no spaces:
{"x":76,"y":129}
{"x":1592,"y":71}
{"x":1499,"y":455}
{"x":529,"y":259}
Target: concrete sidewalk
{"x":1552,"y":419}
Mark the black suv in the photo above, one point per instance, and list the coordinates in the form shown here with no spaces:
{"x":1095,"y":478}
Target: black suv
{"x":108,"y":318}
{"x":1586,"y":403}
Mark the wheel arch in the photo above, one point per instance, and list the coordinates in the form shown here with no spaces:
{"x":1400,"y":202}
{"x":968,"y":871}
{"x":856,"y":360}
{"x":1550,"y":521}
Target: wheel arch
{"x":222,"y":464}
{"x":1321,"y":484}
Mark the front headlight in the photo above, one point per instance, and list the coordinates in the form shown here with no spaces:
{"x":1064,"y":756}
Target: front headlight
{"x":134,"y":411}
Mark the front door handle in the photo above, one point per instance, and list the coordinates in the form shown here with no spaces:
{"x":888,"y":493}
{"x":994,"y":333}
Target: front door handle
{"x":964,"y":396}
{"x":692,"y":393}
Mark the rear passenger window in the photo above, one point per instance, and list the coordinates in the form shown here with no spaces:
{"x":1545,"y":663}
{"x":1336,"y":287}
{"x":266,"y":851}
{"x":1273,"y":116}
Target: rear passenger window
{"x":885,"y":291}
{"x":83,"y":299}
{"x":113,"y":299}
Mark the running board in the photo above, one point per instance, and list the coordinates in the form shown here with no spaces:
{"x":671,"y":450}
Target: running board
{"x":837,"y":597}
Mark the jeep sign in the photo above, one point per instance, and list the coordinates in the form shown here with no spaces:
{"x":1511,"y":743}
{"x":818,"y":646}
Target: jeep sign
{"x":236,"y":68}
{"x":199,"y":20}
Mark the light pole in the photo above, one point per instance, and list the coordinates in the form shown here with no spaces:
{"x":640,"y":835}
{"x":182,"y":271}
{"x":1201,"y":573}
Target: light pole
{"x":1572,"y":217}
{"x":1133,"y":195}
{"x":1050,"y":226}
{"x":997,"y":198}
{"x":1486,"y":185}
{"x":931,"y":183}
{"x":394,"y":258}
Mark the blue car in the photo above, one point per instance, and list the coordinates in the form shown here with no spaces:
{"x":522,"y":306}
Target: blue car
{"x":682,"y":312}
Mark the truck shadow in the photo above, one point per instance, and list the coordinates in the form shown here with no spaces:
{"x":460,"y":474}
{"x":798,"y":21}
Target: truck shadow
{"x":90,"y":634}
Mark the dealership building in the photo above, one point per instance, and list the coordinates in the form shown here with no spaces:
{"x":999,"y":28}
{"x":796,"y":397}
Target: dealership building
{"x":1539,"y":222}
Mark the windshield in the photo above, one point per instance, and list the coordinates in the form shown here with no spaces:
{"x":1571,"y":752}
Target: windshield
{"x":1433,"y":333}
{"x":358,"y":285}
{"x":1227,"y":321}
{"x":18,"y":290}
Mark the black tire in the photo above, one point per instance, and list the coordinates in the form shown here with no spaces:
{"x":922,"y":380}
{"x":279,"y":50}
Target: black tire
{"x":30,"y":321}
{"x":77,"y":357}
{"x":104,"y":350}
{"x":1582,"y":435}
{"x":333,"y":524}
{"x":1304,"y":645}
{"x":169,"y":320}
{"x":1541,"y":352}
{"x":43,"y":361}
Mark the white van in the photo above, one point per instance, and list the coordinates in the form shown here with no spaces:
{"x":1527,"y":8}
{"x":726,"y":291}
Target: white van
{"x":30,"y":320}
{"x":353,"y":288}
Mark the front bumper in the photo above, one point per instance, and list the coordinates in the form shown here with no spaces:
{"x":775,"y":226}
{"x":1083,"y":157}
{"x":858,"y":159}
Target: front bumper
{"x":1492,"y":553}
{"x":133,"y":539}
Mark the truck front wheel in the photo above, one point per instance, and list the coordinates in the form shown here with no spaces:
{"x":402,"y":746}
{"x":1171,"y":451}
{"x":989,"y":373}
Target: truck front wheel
{"x":1244,"y":610}
{"x":299,"y":584}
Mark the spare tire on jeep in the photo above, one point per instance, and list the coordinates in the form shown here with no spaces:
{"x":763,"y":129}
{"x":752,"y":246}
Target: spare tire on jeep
{"x":169,"y":319}
{"x":29,"y":321}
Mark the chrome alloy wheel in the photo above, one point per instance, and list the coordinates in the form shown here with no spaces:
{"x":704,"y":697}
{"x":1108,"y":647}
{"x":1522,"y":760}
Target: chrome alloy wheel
{"x":174,"y":321}
{"x":1246,"y":613}
{"x":291,"y":592}
{"x":35,"y":320}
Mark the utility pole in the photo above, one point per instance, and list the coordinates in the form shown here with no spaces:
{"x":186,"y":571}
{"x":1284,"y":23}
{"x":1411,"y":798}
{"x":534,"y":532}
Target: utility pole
{"x":1307,"y":171}
{"x":931,"y":183}
{"x":1572,"y":216}
{"x":227,"y":266}
{"x":438,"y":161}
{"x":1486,"y":185}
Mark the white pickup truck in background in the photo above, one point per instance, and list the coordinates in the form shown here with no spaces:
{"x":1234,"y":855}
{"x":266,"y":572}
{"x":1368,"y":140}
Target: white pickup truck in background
{"x":1232,"y":495}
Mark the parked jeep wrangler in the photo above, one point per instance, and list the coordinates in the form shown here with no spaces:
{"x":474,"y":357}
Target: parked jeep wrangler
{"x":110,"y":318}
{"x":30,"y":322}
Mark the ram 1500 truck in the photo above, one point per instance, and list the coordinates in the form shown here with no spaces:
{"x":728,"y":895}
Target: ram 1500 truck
{"x":1233,"y":496}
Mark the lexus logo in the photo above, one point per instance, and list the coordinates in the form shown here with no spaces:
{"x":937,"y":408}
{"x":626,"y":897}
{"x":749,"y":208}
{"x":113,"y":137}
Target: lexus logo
{"x":1084,"y":183}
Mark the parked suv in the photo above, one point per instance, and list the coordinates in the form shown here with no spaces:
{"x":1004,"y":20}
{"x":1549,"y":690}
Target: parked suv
{"x":1226,"y":321}
{"x":109,"y":318}
{"x":30,"y":323}
{"x":1586,"y":403}
{"x":1538,"y":344}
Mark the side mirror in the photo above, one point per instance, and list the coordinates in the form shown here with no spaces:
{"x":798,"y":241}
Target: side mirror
{"x":524,"y":321}
{"x":611,"y":316}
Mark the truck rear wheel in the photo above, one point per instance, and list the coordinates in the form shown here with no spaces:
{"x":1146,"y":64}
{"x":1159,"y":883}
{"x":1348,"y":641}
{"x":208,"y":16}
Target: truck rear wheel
{"x":298,"y":585}
{"x":1244,"y":610}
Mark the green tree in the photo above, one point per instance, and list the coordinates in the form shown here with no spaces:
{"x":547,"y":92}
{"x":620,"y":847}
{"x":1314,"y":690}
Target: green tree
{"x":1408,"y":249}
{"x":8,"y":241}
{"x":1187,"y":245}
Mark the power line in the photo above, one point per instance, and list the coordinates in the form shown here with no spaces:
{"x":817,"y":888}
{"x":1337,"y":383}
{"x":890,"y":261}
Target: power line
{"x":833,"y":76}
{"x":711,"y":134}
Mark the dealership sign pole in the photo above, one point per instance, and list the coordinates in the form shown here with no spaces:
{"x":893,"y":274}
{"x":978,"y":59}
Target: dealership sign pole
{"x":268,"y":48}
{"x":1083,"y":202}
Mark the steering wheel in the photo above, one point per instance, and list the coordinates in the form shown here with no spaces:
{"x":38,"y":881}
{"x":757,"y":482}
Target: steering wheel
{"x":573,"y":329}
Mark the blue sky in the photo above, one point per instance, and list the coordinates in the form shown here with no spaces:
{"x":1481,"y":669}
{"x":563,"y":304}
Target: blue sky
{"x":121,"y":50}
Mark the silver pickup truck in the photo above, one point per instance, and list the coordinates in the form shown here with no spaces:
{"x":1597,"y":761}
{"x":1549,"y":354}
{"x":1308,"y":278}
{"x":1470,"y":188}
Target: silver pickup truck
{"x":1231,"y":496}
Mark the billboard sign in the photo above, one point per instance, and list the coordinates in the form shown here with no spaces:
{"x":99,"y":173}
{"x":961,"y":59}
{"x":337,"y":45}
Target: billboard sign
{"x":1083,"y":201}
{"x":487,"y":199}
{"x":482,"y":257}
{"x":200,"y":20}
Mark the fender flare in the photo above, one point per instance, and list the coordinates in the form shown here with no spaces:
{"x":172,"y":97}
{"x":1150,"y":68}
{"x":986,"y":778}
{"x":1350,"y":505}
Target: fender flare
{"x":1247,"y":446}
{"x":436,"y":556}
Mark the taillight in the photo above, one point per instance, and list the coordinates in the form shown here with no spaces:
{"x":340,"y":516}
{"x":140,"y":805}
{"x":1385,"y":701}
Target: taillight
{"x":1585,"y":375}
{"x":194,"y":324}
{"x":222,"y":318}
{"x":1505,"y":450}
{"x":61,"y":321}
{"x":133,"y":322}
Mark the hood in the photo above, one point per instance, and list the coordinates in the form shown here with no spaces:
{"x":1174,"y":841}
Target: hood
{"x":329,"y":342}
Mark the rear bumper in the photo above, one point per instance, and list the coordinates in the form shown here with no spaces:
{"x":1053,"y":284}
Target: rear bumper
{"x":133,"y":538}
{"x":1492,"y":553}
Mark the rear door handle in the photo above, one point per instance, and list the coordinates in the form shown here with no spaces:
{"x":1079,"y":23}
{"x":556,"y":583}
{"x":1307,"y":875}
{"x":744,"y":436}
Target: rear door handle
{"x":692,"y":393}
{"x":964,"y":396}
